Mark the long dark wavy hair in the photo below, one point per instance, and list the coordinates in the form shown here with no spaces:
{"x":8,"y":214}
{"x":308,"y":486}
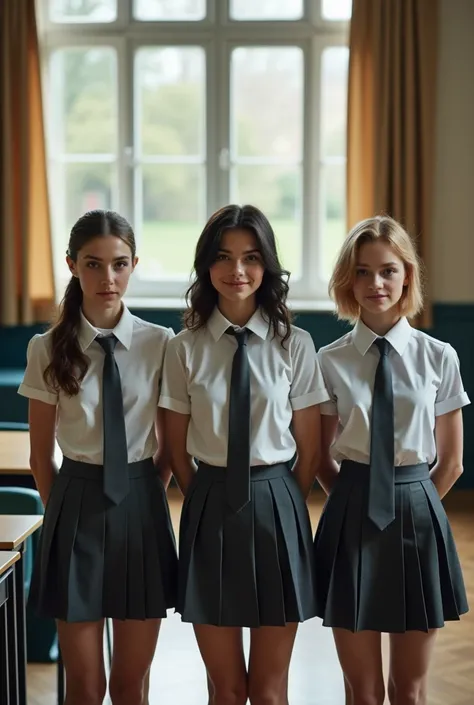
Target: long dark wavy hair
{"x":69,"y":364}
{"x":202,"y":297}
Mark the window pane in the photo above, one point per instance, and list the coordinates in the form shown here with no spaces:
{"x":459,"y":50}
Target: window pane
{"x":83,"y":10}
{"x":166,"y":10}
{"x":333,"y":227}
{"x":337,"y":9}
{"x":84,"y":88}
{"x":276,"y":190}
{"x":88,"y":186}
{"x":171,"y":198}
{"x":267,"y":102}
{"x":170,"y":101}
{"x":334,"y":101}
{"x":266,"y":9}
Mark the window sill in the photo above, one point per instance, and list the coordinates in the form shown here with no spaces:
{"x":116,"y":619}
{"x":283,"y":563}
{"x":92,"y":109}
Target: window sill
{"x":177,"y":304}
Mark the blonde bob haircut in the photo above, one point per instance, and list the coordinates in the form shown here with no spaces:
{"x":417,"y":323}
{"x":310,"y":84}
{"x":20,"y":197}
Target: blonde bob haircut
{"x":385,"y":229}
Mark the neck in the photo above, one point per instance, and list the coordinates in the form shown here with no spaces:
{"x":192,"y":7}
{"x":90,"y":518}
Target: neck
{"x":238,"y":312}
{"x":103,"y":319}
{"x":380,"y":323}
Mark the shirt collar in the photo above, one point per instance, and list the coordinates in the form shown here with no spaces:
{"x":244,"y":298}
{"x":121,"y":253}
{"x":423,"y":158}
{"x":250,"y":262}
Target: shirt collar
{"x":122,"y":331}
{"x":398,"y":336}
{"x":218,"y":324}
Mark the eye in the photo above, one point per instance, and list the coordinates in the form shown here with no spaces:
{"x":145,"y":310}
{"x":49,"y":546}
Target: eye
{"x":121,"y":265}
{"x":253,"y":258}
{"x":361,"y":272}
{"x":92,"y":265}
{"x":389,"y":271}
{"x":220,"y":257}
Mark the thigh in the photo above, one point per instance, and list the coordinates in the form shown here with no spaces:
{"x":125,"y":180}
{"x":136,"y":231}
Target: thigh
{"x":269,"y":660}
{"x":82,"y":651}
{"x":360,"y":657}
{"x":222,"y":651}
{"x":134,"y":644}
{"x":410,"y":655}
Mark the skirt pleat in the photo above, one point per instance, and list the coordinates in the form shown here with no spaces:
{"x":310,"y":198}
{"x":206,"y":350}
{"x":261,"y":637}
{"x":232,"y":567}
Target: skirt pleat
{"x":96,"y":559}
{"x":406,"y":577}
{"x":250,"y":569}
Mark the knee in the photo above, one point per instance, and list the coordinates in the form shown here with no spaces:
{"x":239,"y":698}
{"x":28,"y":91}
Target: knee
{"x":406,"y":692}
{"x":225,"y":694}
{"x":364,"y":693}
{"x":84,"y":693}
{"x":126,"y":691}
{"x":268,"y":694}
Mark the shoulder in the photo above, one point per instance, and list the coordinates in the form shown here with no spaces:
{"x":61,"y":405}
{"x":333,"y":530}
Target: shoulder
{"x":185,"y":340}
{"x":40,"y":345}
{"x":439,"y":350}
{"x":151,"y":331}
{"x":337,"y":347}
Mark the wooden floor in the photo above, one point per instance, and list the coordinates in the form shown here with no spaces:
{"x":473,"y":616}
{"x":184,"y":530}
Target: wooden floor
{"x":178,"y":677}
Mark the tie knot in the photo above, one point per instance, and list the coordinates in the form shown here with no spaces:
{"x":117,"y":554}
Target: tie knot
{"x":107,"y":343}
{"x":383,"y":346}
{"x":240,"y":335}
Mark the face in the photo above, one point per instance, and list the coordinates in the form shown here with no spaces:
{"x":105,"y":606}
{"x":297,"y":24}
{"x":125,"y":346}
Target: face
{"x":103,"y":266}
{"x":380,"y":278}
{"x":238,"y":270}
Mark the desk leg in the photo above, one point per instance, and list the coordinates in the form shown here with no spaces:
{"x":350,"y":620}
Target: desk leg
{"x":12,"y":639}
{"x":5,"y":598}
{"x":21,"y":627}
{"x":60,"y":684}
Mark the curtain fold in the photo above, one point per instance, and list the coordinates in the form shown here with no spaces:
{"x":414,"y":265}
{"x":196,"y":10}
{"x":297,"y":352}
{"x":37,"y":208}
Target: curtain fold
{"x":391,"y":117}
{"x":26,"y":269}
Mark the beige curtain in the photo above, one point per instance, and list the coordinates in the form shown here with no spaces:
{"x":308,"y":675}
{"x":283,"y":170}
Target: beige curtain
{"x":26,"y":272}
{"x":391,"y":116}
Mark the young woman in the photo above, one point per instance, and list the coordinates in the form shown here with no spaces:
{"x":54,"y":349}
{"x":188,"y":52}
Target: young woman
{"x":107,"y":547}
{"x":242,"y":388}
{"x":385,"y":557}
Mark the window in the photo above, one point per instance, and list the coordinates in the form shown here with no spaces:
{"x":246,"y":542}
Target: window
{"x":165,"y":110}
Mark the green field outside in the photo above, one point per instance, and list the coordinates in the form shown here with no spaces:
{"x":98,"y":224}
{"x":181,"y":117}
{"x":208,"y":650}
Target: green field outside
{"x":166,"y":249}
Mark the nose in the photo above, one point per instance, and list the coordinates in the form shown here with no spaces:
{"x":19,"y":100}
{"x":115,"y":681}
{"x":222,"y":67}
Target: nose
{"x":377,"y":282}
{"x":238,"y":268}
{"x":108,"y":277}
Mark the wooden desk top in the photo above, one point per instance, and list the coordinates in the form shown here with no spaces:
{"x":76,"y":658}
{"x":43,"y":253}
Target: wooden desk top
{"x":15,"y":529}
{"x":7,"y":559}
{"x":15,"y":453}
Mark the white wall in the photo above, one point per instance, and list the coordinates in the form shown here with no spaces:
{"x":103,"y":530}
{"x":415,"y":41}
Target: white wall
{"x":453,"y":224}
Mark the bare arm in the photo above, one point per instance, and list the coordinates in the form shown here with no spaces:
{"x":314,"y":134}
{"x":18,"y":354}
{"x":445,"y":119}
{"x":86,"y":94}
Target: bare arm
{"x":306,"y":429}
{"x":161,"y":458}
{"x":449,"y":444}
{"x":42,"y":420}
{"x":328,"y":468}
{"x":182,"y":464}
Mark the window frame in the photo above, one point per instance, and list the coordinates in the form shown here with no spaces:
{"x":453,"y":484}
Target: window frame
{"x":218,"y":34}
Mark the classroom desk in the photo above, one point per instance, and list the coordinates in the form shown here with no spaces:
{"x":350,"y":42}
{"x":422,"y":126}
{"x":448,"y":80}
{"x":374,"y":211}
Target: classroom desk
{"x":15,"y":453}
{"x":14,"y":530}
{"x":8,"y":660}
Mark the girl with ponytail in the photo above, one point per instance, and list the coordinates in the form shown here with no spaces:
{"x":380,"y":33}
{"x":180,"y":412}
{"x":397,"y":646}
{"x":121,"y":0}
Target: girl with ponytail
{"x":107,"y":547}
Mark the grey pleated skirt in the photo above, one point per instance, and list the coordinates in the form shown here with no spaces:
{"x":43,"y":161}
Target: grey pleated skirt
{"x":96,"y":559}
{"x":406,"y":577}
{"x":250,"y":569}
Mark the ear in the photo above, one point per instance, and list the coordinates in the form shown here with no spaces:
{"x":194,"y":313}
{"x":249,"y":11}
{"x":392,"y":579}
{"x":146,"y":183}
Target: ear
{"x":134,"y":263}
{"x":72,"y":266}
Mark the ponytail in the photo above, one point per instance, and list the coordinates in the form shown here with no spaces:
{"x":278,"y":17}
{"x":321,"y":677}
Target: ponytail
{"x":68,"y":364}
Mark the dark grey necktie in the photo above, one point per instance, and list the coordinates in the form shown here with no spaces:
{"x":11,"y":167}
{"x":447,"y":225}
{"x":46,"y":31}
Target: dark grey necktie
{"x":238,"y":448}
{"x":381,"y":483}
{"x":116,"y":481}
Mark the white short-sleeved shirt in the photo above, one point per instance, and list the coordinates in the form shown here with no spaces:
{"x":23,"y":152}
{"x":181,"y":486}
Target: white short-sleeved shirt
{"x":139,"y":354}
{"x":196,"y":381}
{"x":426,"y":383}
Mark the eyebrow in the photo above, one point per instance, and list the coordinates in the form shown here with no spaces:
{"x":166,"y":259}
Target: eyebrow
{"x":387,"y":264}
{"x":245,"y":252}
{"x":99,"y":259}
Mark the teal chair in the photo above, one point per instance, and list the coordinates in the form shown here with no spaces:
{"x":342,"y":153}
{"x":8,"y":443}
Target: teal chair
{"x":41,"y":638}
